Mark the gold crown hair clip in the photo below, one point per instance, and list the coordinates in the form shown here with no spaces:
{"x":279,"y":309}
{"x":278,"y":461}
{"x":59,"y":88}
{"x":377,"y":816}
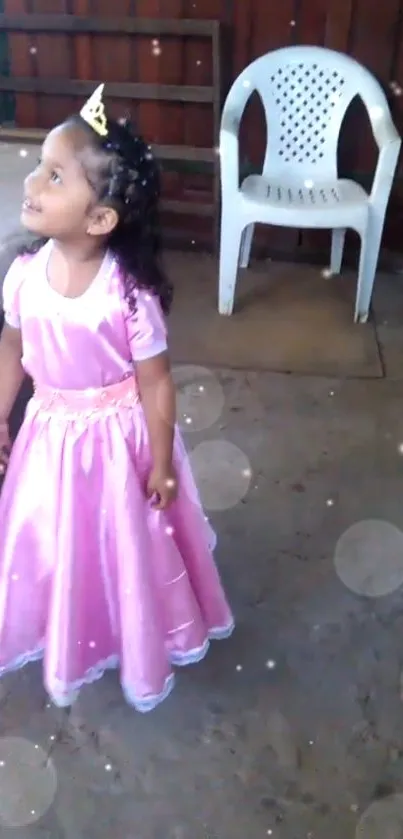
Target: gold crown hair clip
{"x":93,"y":112}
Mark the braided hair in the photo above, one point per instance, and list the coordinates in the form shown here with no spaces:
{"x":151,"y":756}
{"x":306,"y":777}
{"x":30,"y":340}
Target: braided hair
{"x":123,"y":172}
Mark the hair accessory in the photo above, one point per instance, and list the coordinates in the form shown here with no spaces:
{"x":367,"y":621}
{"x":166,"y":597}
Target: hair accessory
{"x":93,"y":112}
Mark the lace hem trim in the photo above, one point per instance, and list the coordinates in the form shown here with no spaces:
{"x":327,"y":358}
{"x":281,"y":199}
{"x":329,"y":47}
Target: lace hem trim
{"x":65,"y":695}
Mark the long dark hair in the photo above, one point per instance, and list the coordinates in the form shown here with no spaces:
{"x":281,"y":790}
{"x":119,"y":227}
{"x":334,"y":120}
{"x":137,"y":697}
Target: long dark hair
{"x":124,"y":174}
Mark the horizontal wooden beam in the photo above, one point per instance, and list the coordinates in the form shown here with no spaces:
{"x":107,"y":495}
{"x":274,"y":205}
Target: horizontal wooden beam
{"x":107,"y":26}
{"x":116,"y":90}
{"x":188,"y":154}
{"x":188,"y":208}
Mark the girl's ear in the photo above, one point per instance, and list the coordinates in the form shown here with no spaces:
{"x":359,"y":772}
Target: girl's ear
{"x":102,"y":221}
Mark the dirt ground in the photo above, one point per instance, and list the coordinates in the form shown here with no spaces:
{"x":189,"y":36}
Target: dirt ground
{"x":293,"y":728}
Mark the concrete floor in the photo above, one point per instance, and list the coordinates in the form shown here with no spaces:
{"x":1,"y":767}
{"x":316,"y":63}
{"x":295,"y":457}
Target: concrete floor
{"x":294,"y":727}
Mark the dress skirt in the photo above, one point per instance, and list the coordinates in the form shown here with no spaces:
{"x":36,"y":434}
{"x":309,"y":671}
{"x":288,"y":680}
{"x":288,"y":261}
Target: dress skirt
{"x":91,"y":575}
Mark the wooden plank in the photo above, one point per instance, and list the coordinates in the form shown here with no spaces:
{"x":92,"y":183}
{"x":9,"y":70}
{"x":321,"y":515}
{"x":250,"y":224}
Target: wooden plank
{"x":149,"y":70}
{"x":187,"y":154}
{"x":198,"y":69}
{"x":22,"y":64}
{"x":188,"y":208}
{"x":163,"y":58}
{"x":396,"y":99}
{"x":53,"y":57}
{"x":114,"y":57}
{"x":373,"y":35}
{"x":112,"y":53}
{"x":311,"y":22}
{"x":107,"y":25}
{"x":211,"y":9}
{"x":82,"y":43}
{"x":273,"y":25}
{"x":121,"y":90}
{"x":242,"y":47}
{"x":338,"y":18}
{"x":371,"y":38}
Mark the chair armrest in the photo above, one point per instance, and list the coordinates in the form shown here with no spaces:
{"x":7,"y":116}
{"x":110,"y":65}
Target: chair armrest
{"x":229,"y":152}
{"x":389,"y":144}
{"x":383,"y":127}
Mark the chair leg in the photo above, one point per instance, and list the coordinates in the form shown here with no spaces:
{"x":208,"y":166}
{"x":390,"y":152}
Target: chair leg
{"x":246,"y":245}
{"x":370,"y":246}
{"x":336,"y":258}
{"x":230,"y":244}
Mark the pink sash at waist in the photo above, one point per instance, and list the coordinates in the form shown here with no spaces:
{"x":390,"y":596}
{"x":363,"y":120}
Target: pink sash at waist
{"x":86,"y":403}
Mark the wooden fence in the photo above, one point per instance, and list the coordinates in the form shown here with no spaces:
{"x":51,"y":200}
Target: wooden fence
{"x":132,"y":62}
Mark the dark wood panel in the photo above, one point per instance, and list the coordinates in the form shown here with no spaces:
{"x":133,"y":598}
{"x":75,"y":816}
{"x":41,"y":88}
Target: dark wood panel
{"x":114,"y":55}
{"x":337,"y":27}
{"x":118,"y":25}
{"x":274,"y":30}
{"x":372,"y":38}
{"x":310,"y":22}
{"x":21,"y":64}
{"x":52,"y":55}
{"x":160,"y":59}
{"x":189,"y":154}
{"x":122,"y":90}
{"x":82,"y":44}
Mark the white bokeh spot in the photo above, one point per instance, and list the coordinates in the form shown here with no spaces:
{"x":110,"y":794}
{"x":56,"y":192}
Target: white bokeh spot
{"x":200,"y":398}
{"x":369,"y":558}
{"x":222,"y":473}
{"x":28,"y":782}
{"x":382,"y":820}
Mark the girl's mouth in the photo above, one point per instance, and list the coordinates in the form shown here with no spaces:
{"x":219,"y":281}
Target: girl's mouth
{"x":29,"y":207}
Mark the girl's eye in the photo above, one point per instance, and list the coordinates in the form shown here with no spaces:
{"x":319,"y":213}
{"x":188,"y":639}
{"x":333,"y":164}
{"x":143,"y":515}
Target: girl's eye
{"x":55,"y":178}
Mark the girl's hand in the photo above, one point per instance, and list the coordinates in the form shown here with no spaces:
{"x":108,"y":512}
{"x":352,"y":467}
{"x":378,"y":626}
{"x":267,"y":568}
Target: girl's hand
{"x":5,"y":447}
{"x":163,"y":484}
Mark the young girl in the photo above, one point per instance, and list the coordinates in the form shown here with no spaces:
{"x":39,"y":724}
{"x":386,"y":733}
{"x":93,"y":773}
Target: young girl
{"x":105,"y":554}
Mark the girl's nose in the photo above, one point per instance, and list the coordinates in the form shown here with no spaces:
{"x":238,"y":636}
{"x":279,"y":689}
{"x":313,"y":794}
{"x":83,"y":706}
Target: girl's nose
{"x":28,"y":180}
{"x":31,"y":184}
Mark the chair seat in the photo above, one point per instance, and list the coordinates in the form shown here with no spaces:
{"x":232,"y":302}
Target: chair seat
{"x":305,"y":203}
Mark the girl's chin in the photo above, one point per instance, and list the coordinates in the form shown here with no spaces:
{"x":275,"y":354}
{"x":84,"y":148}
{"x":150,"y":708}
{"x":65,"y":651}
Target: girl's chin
{"x":31,"y":220}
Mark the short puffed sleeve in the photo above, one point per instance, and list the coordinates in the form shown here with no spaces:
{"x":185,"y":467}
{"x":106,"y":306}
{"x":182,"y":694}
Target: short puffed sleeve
{"x":11,"y":293}
{"x":146,"y":328}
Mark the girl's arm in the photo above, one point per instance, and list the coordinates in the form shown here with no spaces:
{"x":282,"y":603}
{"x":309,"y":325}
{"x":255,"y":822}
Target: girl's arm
{"x":11,"y":372}
{"x":147,"y":337}
{"x":157,"y":394}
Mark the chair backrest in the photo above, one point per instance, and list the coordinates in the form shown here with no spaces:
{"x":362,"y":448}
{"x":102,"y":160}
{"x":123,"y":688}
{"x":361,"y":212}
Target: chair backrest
{"x":305,"y":93}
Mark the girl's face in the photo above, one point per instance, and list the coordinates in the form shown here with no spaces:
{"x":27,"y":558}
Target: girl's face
{"x":59,"y":202}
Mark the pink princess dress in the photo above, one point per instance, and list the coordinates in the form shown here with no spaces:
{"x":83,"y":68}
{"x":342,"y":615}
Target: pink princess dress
{"x":91,"y":576}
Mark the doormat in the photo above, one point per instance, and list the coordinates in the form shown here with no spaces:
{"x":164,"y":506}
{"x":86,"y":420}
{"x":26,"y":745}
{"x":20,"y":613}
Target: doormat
{"x":287,"y":318}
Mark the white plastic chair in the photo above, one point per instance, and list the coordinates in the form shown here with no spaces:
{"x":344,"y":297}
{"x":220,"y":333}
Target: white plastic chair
{"x":305,"y":92}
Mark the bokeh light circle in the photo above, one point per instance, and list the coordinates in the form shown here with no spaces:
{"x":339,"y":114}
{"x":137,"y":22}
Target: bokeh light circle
{"x":382,"y":820}
{"x":369,"y":558}
{"x":28,"y":782}
{"x":199,"y":397}
{"x":222,"y":473}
